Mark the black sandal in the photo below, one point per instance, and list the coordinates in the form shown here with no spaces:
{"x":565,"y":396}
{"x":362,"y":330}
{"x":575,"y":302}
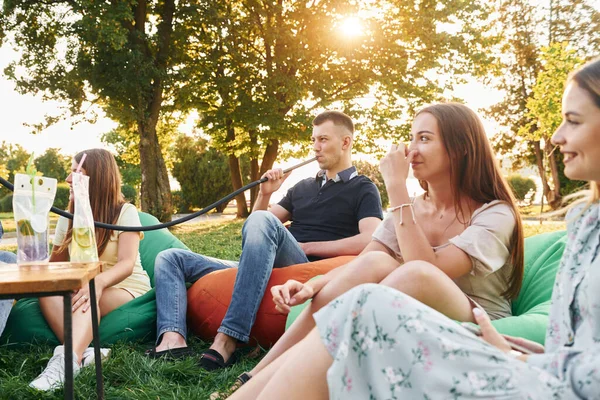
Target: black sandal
{"x":212,"y":360}
{"x":170,"y":354}
{"x":239,"y":382}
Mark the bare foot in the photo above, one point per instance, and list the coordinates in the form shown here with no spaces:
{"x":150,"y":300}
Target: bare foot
{"x":224,"y":345}
{"x":171,"y":340}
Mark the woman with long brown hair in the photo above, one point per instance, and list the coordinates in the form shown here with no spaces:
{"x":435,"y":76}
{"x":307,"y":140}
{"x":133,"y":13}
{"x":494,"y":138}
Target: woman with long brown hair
{"x":122,"y":279}
{"x":457,"y":246}
{"x":414,"y":352}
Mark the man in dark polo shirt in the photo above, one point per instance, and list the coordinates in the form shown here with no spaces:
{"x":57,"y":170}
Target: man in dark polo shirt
{"x":333,"y":214}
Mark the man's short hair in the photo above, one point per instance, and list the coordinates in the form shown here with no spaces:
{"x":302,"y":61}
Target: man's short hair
{"x":337,"y":117}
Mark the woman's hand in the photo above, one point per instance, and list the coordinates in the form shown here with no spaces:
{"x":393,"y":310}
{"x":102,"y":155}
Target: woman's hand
{"x":81,"y":298}
{"x":290,"y":294}
{"x":395,"y":164}
{"x":488,"y":332}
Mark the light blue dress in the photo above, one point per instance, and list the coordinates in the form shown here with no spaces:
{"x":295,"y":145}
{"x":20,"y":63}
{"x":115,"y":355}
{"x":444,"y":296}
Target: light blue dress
{"x":386,"y":345}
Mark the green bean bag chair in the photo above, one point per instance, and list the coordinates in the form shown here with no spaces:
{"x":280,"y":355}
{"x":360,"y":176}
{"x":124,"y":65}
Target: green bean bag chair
{"x":132,"y":321}
{"x":530,"y":309}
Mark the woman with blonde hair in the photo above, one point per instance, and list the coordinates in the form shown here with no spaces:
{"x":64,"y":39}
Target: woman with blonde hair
{"x":122,"y":278}
{"x":457,"y":246}
{"x":376,"y":342}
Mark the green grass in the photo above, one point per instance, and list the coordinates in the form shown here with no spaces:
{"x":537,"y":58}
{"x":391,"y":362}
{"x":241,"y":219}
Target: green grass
{"x":128,"y":374}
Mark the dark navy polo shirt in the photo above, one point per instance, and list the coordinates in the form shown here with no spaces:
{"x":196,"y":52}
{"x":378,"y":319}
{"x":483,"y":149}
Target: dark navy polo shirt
{"x":331,"y":210}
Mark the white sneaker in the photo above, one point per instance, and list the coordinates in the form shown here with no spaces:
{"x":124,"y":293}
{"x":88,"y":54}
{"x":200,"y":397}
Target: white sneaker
{"x":53,"y":376}
{"x":89,"y":357}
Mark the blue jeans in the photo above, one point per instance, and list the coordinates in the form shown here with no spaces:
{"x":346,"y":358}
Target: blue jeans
{"x":266,"y":244}
{"x":5,"y":305}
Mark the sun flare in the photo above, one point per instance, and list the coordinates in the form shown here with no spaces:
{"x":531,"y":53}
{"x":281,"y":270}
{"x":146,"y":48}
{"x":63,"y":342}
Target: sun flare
{"x":351,"y":27}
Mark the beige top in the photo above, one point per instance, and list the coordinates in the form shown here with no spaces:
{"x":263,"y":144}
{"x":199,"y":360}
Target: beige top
{"x":138,"y":282}
{"x":486,"y":241}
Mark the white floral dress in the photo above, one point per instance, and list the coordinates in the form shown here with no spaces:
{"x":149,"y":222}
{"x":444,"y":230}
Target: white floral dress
{"x":386,"y":345}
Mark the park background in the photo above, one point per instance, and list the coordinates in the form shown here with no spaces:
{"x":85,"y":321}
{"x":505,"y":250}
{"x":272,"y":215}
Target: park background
{"x":196,"y":98}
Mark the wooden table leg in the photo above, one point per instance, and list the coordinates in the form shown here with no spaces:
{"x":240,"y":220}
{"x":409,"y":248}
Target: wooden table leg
{"x":97,"y":355}
{"x":68,"y":324}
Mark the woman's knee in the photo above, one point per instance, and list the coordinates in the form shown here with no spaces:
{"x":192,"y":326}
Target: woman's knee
{"x":419,"y":273}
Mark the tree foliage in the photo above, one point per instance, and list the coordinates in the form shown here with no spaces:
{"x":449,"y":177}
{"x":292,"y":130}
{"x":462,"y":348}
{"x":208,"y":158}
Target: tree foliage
{"x":268,"y":67}
{"x":202,"y":172}
{"x":53,"y":164}
{"x":371,"y":171}
{"x":121,"y":55}
{"x":568,"y":29}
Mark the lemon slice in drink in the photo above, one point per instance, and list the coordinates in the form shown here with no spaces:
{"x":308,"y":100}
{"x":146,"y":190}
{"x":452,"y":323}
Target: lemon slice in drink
{"x":83,"y":237}
{"x":24,"y":227}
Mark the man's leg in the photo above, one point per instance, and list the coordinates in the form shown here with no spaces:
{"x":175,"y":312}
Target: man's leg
{"x":266,"y":244}
{"x":5,"y":305}
{"x":173,"y":268}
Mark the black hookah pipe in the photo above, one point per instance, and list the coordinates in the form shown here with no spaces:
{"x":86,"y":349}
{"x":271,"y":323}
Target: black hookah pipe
{"x":206,"y":209}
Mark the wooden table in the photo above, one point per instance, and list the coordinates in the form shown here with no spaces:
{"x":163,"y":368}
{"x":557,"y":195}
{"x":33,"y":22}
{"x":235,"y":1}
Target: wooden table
{"x":57,"y":279}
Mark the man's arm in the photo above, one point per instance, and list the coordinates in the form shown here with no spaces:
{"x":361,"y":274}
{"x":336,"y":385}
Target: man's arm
{"x":350,"y":246}
{"x":275,"y":178}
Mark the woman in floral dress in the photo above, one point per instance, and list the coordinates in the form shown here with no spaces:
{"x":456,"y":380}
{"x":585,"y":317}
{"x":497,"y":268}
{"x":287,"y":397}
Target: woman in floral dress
{"x":377,"y":343}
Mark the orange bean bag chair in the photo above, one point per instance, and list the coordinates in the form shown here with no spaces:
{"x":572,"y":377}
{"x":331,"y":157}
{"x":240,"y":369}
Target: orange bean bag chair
{"x":209,"y":297}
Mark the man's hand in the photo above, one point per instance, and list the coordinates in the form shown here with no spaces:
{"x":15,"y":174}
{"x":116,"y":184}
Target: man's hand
{"x":276,"y":178}
{"x":290,"y":294}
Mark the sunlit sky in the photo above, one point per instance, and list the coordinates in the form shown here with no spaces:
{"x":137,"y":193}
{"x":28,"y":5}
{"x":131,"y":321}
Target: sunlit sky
{"x":17,"y":109}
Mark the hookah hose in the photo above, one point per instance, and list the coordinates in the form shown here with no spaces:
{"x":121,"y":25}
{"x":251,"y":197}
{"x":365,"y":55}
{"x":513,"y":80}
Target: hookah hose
{"x":206,"y":209}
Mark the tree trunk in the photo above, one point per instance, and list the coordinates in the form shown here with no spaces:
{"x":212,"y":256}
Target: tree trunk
{"x":539,"y":160}
{"x":556,"y":200}
{"x":254,"y":175}
{"x":236,"y":181}
{"x":269,"y":156}
{"x":155,"y":191}
{"x":236,"y":173}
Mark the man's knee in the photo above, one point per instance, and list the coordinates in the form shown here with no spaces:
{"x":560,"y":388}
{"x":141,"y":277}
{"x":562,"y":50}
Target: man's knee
{"x":165,"y":261}
{"x":260,"y":221}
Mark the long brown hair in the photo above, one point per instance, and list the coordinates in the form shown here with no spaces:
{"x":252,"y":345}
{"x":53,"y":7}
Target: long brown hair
{"x":476,"y":175}
{"x":106,"y":199}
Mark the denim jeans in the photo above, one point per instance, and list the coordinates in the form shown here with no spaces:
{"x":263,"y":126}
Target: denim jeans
{"x":266,"y":244}
{"x":5,"y":305}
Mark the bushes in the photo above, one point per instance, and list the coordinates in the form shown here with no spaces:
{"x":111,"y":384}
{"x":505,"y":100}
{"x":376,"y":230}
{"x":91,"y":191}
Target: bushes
{"x":523,"y":188}
{"x":371,"y":171}
{"x":129,"y":193}
{"x":6,"y":203}
{"x":61,"y":200}
{"x":180,"y":204}
{"x":202,"y":172}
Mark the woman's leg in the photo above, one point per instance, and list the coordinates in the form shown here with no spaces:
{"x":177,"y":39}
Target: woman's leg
{"x":370,"y":267}
{"x":385,"y":344}
{"x":428,"y":284}
{"x":300,"y":373}
{"x":52,"y":309}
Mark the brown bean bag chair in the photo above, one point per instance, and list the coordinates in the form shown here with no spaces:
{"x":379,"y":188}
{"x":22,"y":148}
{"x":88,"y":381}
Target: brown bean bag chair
{"x":209,"y":297}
